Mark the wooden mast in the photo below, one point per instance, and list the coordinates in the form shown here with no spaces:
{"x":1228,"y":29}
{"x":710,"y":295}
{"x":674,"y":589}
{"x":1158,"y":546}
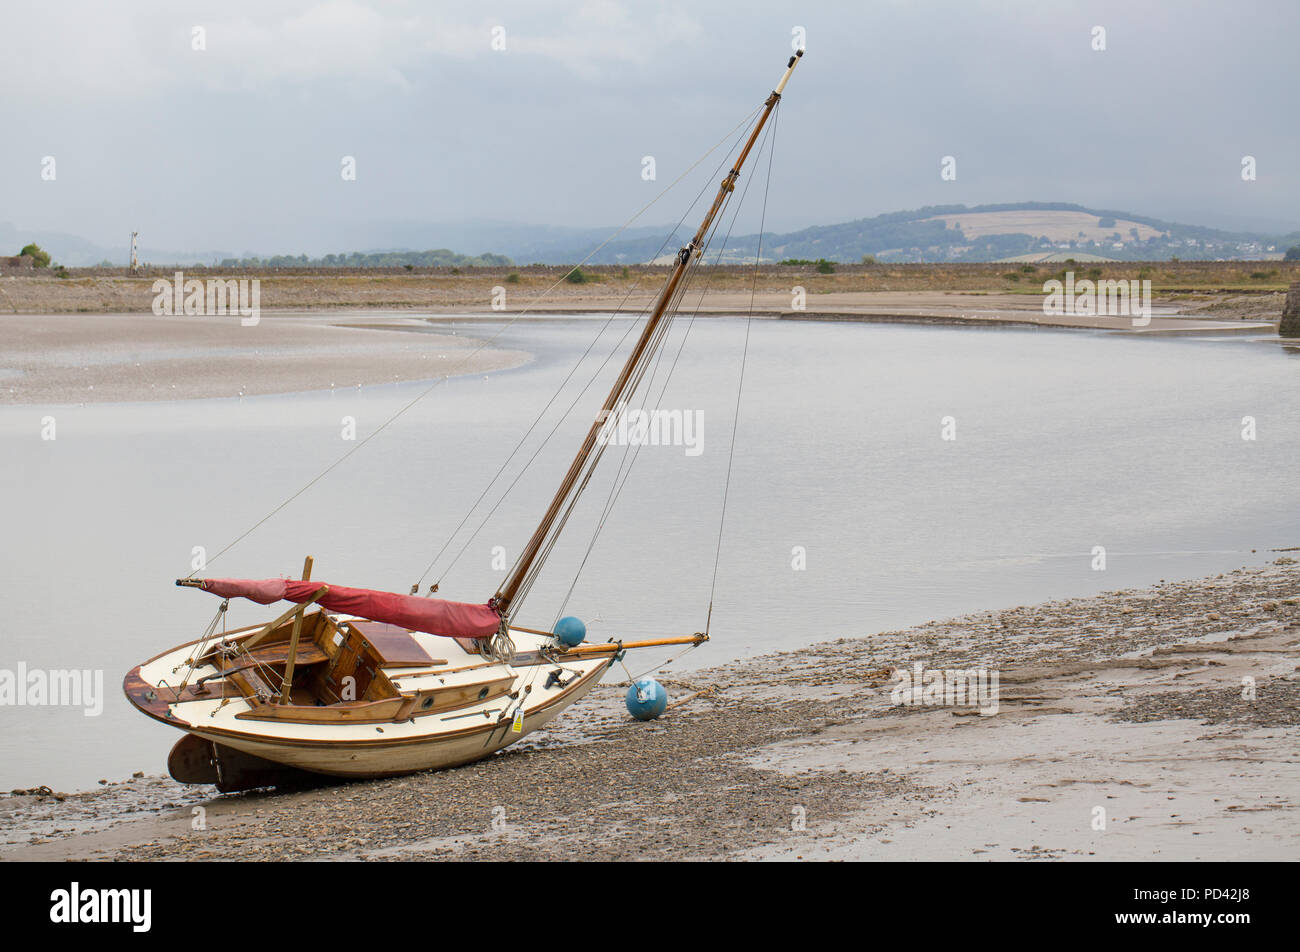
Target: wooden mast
{"x":506,"y":594}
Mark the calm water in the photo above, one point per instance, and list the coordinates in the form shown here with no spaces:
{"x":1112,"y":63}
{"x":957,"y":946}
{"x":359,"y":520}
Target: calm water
{"x":1065,"y":441}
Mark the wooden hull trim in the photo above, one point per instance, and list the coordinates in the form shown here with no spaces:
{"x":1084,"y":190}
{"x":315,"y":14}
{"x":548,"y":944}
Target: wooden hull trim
{"x":452,"y":732}
{"x":358,"y":760}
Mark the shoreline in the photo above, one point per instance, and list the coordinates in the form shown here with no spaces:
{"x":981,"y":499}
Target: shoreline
{"x":1128,"y":702}
{"x":1221,"y":292}
{"x":111,"y":357}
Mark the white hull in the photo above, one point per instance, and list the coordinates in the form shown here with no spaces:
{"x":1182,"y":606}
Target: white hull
{"x":431,"y":752}
{"x":376,"y":748}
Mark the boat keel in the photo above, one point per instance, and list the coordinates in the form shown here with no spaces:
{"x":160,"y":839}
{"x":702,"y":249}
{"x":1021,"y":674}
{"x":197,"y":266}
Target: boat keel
{"x":196,"y":760}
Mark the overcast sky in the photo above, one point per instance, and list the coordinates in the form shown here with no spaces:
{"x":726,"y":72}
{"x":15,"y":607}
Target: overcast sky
{"x":240,"y":145}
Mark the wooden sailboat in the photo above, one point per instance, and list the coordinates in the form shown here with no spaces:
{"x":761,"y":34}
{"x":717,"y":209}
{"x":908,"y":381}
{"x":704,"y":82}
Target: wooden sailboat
{"x":372,"y":684}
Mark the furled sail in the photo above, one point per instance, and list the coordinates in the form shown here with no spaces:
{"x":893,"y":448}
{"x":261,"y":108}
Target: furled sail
{"x":432,"y":615}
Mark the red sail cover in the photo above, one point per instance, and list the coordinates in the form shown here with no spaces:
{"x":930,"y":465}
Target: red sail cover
{"x":432,"y":615}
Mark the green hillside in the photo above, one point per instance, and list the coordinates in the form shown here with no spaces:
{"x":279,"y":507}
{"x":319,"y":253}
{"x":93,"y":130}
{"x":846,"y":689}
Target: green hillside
{"x":987,"y":233}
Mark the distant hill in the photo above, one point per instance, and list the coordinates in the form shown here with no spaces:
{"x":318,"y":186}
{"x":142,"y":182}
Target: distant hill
{"x":440,"y":258}
{"x":1029,"y":231}
{"x":977,"y":233}
{"x":76,"y":252}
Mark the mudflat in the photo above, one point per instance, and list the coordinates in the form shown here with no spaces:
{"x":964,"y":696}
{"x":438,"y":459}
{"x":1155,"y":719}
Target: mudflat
{"x":49,"y":356}
{"x":103,"y":358}
{"x":1158,"y":723}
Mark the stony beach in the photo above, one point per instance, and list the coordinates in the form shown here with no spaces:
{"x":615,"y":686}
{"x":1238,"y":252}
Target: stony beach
{"x":1121,"y":732}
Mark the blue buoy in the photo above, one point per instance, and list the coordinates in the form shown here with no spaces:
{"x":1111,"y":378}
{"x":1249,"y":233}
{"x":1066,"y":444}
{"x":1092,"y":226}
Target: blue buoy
{"x":646,"y":699}
{"x":570,"y":631}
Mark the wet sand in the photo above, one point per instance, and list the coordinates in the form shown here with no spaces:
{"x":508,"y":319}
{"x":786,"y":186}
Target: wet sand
{"x":936,"y":307}
{"x":66,"y":358}
{"x":1121,"y":733}
{"x":60,"y":358}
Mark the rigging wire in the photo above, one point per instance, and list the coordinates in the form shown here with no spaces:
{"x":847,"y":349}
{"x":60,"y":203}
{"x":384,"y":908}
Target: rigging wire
{"x":660,"y":333}
{"x":549,"y":403}
{"x":744,"y":358}
{"x":653,"y":358}
{"x":537,"y":451}
{"x":655,"y":667}
{"x":625,"y":466}
{"x":655,"y":354}
{"x":482,"y":346}
{"x":589,"y":465}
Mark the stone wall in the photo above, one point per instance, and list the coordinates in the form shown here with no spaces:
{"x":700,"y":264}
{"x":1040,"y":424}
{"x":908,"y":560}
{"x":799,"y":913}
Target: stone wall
{"x":1290,"y":326}
{"x":17,"y":261}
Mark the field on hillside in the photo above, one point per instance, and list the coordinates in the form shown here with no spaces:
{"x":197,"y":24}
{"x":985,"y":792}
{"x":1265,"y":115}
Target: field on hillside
{"x":1053,"y":225}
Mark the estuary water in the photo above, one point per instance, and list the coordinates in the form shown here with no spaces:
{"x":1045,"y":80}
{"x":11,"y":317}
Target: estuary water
{"x":883,"y":475}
